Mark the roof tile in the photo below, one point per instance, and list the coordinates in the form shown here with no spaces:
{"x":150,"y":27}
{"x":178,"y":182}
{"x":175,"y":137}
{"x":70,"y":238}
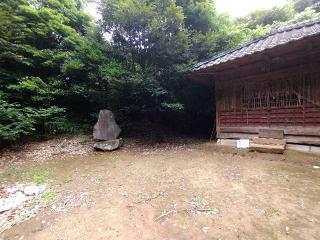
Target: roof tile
{"x":280,"y":36}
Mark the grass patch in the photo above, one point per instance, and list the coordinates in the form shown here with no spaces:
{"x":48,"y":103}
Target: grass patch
{"x":38,"y":174}
{"x":49,"y":196}
{"x":40,"y":179}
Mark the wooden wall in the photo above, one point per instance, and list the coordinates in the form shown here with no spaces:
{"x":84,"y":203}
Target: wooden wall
{"x":285,"y":99}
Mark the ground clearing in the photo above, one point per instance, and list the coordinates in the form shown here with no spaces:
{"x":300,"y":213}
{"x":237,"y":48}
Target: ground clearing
{"x":184,"y":189}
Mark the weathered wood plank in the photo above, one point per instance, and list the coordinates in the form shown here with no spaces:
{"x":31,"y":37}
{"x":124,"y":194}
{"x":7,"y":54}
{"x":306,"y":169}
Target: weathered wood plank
{"x":269,"y":141}
{"x":303,"y":140}
{"x":271,"y":133}
{"x":299,"y":131}
{"x":267,"y":148}
{"x":236,"y":135}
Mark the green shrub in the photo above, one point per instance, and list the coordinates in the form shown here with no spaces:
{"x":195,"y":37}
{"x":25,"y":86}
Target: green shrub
{"x":53,"y":121}
{"x":15,"y":121}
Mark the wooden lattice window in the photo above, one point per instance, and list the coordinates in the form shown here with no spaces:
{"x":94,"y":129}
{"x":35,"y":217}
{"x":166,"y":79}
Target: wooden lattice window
{"x":285,"y":101}
{"x":273,"y":93}
{"x":254,"y":103}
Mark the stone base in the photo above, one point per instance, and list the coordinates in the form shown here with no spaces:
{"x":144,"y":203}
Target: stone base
{"x":107,"y":146}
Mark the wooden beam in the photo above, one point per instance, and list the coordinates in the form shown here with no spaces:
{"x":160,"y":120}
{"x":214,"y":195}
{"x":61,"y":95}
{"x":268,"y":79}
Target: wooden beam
{"x":303,"y":139}
{"x":236,"y":135}
{"x":271,"y":133}
{"x":298,"y":131}
{"x":262,"y":76}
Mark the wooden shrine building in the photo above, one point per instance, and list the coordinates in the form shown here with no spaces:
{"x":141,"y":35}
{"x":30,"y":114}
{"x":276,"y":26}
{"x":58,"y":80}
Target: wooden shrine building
{"x":269,"y":83}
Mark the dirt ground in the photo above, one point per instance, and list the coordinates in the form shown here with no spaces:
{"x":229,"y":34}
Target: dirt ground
{"x":183,"y":189}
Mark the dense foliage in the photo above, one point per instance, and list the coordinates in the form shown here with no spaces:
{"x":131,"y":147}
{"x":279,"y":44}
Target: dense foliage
{"x":57,"y":68}
{"x":293,"y":12}
{"x":37,"y":38}
{"x":53,"y":65}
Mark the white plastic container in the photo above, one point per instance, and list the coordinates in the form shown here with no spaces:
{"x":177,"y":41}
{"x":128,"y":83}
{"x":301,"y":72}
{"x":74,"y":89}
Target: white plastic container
{"x":243,"y":143}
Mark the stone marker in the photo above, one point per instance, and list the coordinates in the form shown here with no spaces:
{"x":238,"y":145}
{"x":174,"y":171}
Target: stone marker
{"x":108,"y":145}
{"x":106,"y":128}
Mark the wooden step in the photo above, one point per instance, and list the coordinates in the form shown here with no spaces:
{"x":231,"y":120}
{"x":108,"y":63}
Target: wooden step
{"x":269,"y":141}
{"x":268,"y":145}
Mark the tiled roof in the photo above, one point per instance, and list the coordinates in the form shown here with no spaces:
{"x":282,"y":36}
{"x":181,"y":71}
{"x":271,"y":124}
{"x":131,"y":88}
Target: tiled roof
{"x":278,"y":37}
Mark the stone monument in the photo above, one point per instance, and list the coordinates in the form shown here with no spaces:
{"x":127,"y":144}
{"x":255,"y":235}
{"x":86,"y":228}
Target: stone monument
{"x":106,"y":132}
